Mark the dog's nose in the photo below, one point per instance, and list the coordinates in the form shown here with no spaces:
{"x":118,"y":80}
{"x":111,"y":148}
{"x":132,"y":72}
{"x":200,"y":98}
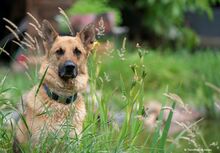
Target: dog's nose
{"x":68,"y":70}
{"x":69,"y":67}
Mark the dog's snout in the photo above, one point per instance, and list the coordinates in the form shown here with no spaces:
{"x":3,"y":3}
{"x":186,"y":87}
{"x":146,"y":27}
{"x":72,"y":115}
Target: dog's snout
{"x":68,"y":70}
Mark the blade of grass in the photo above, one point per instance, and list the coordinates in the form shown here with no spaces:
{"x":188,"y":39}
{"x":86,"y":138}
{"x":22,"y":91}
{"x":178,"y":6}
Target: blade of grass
{"x":156,"y":133}
{"x":41,"y":81}
{"x":203,"y":141}
{"x":166,"y":129}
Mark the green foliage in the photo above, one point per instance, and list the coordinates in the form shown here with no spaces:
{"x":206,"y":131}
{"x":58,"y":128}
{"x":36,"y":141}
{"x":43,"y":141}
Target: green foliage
{"x":93,"y":6}
{"x":165,"y":19}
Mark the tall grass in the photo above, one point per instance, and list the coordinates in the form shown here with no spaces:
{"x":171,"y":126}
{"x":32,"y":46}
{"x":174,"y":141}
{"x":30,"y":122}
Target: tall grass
{"x":101,"y":131}
{"x":185,"y":74}
{"x":118,"y":83}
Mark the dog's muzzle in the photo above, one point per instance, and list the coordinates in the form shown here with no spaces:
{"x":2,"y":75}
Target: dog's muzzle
{"x":68,"y":70}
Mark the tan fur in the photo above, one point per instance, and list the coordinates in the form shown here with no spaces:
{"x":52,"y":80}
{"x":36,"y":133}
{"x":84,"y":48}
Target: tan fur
{"x":43,"y":114}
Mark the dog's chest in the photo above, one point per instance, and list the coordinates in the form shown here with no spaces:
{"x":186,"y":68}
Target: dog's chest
{"x":44,"y":114}
{"x":60,"y":114}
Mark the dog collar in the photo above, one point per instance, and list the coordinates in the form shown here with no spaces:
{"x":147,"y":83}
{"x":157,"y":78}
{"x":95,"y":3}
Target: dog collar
{"x":61,"y":99}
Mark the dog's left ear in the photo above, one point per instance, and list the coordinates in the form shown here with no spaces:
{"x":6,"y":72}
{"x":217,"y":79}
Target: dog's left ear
{"x":87,"y":36}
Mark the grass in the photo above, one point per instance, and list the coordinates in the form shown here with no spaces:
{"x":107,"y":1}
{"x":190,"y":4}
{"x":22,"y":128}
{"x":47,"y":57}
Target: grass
{"x":185,"y":74}
{"x":126,"y":81}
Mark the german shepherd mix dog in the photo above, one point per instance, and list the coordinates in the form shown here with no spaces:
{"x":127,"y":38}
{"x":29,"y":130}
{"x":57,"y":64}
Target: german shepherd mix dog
{"x":59,"y":98}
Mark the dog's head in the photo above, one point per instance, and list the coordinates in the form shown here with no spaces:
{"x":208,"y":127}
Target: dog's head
{"x":67,"y":57}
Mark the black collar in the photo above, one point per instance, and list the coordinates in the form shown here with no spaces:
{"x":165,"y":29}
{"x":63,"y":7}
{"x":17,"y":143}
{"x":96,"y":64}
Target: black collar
{"x":61,"y":99}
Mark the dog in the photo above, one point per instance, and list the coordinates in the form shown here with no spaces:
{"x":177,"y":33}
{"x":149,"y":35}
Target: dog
{"x":64,"y":75}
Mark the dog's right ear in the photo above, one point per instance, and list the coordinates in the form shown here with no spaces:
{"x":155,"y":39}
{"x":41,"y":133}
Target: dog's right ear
{"x":49,"y":34}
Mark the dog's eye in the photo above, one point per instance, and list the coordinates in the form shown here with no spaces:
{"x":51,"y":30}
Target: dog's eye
{"x":60,"y":52}
{"x":77,"y":52}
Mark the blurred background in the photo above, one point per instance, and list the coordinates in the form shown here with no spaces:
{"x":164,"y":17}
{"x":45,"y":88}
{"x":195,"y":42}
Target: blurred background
{"x":163,"y":24}
{"x":181,"y":38}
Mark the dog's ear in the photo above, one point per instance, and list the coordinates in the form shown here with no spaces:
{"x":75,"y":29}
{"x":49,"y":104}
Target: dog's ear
{"x":87,"y":36}
{"x":49,"y":34}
